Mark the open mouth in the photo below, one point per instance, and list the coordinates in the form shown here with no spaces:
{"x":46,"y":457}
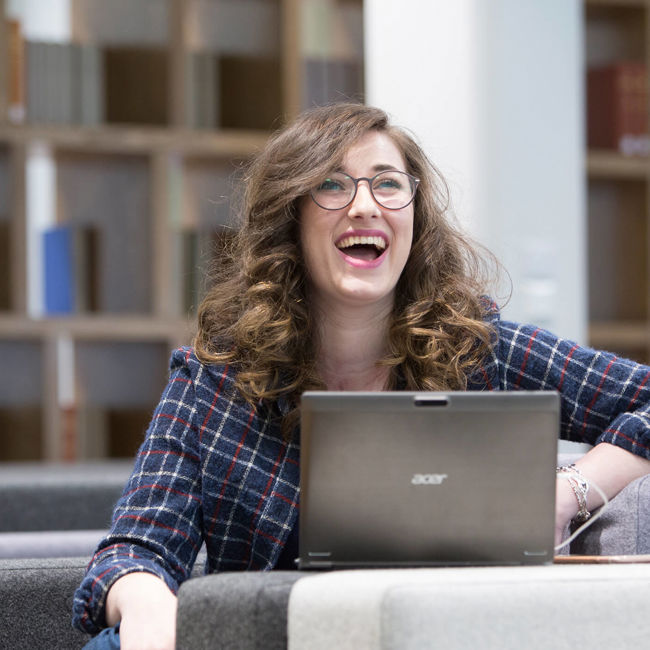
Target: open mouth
{"x":366,"y":248}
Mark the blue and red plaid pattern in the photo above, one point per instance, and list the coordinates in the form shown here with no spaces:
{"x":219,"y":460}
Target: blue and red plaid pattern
{"x":214,"y":469}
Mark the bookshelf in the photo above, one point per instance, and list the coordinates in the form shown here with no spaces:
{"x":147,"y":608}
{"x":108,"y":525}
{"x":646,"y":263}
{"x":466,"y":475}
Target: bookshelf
{"x":617,"y":37}
{"x":120,"y":145}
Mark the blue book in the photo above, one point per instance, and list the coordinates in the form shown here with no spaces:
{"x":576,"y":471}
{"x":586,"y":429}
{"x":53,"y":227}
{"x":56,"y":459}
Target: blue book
{"x":58,"y":270}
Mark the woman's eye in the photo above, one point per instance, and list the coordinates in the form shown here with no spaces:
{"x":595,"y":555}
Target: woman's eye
{"x":388,"y":184}
{"x":330,"y":185}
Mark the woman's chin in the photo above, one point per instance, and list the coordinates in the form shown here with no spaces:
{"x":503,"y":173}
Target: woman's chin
{"x":358,"y":293}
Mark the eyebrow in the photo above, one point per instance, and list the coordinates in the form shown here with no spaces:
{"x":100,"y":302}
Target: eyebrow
{"x":380,"y":167}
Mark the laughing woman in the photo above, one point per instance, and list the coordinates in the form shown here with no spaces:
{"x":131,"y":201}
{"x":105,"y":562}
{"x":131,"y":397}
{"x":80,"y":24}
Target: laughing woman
{"x":347,"y":274}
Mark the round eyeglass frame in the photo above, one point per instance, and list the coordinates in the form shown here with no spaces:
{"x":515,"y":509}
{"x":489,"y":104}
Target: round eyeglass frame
{"x":413,"y":180}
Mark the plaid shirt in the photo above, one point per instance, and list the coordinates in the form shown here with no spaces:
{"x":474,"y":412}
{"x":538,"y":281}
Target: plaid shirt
{"x":214,"y":469}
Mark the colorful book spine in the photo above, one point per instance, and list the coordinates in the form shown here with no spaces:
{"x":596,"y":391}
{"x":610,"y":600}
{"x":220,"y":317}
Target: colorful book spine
{"x":617,"y":108}
{"x":58,"y":281}
{"x":70,"y":269}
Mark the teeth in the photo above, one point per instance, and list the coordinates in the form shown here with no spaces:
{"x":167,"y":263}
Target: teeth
{"x":372,"y":241}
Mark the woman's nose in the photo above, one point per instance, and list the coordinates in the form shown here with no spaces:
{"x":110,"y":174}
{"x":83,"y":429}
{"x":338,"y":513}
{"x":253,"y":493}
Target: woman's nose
{"x":363,"y":204}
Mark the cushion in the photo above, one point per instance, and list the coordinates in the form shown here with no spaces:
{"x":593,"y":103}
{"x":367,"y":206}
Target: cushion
{"x":245,"y":610}
{"x":50,"y":543}
{"x":60,"y":496}
{"x":36,"y":603}
{"x":623,"y":528}
{"x":554,"y":606}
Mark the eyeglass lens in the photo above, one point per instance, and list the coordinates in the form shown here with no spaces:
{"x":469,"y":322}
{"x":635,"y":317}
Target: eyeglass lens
{"x":391,"y":189}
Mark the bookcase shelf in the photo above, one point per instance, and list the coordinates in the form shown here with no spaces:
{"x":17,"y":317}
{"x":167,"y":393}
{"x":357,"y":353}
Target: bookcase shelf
{"x":120,"y":146}
{"x":613,"y":165}
{"x":617,"y":37}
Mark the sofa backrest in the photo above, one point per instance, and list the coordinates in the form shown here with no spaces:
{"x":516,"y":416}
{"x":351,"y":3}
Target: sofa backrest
{"x":36,"y":603}
{"x":42,"y":496}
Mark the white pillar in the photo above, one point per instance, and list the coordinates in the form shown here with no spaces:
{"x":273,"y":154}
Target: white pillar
{"x":493,"y":90}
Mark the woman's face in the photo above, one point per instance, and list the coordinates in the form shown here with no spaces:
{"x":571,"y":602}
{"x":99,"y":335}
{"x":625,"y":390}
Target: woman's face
{"x":342,"y":269}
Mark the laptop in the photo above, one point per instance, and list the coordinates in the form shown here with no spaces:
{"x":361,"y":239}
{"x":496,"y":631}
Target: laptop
{"x":427,"y":479}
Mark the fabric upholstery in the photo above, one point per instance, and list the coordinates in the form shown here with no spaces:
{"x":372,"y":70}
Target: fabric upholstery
{"x":60,"y":496}
{"x":49,"y":543}
{"x":36,"y":603}
{"x":247,"y":611}
{"x":584,"y":606}
{"x":624,"y":527}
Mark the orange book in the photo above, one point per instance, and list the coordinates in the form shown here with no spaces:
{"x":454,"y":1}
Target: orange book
{"x":16,"y":77}
{"x":617,"y":107}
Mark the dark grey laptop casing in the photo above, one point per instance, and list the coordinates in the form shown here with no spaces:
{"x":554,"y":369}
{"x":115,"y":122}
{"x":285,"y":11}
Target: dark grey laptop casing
{"x":426,"y":479}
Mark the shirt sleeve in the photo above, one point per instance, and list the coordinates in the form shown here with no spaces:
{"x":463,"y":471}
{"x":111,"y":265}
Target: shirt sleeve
{"x":156,"y":524}
{"x":604,"y":398}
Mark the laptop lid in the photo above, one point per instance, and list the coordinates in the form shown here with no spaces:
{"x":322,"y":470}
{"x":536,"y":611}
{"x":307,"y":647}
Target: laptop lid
{"x":420,"y":479}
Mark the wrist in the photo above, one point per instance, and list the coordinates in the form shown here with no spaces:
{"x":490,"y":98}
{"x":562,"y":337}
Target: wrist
{"x":579,"y":487}
{"x":134,"y":592}
{"x":566,"y":506}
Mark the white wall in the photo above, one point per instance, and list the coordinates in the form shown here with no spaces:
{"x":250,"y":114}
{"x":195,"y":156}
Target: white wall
{"x":493,"y":91}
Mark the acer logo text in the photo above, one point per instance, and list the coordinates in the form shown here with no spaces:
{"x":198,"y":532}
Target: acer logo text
{"x":428,"y":479}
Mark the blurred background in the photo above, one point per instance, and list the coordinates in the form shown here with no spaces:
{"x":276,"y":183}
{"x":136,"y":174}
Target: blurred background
{"x":123,"y":125}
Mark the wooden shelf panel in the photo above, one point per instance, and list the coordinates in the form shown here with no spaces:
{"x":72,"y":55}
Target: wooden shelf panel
{"x":610,"y":164}
{"x":125,"y":140}
{"x":633,"y":4}
{"x":619,"y":335}
{"x":96,"y":328}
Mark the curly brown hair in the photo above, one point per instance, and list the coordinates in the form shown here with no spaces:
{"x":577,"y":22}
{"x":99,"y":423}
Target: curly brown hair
{"x":257,"y":315}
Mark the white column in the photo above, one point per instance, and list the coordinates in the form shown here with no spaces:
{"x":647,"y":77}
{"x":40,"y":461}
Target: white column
{"x":493,"y":90}
{"x":40,"y":21}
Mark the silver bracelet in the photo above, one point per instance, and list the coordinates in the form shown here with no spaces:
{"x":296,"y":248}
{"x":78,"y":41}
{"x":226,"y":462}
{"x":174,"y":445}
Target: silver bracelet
{"x":580,"y":486}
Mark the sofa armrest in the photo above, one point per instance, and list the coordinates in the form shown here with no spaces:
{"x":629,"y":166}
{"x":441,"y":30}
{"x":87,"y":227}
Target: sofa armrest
{"x":36,"y":603}
{"x":49,"y":543}
{"x":623,"y":528}
{"x":235,"y":610}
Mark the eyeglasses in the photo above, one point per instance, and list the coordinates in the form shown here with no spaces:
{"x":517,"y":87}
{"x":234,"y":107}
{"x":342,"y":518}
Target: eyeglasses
{"x":391,"y":189}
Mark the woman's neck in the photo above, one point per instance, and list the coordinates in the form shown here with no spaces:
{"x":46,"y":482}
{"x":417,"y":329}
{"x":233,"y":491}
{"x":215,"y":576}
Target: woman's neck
{"x":351,"y":341}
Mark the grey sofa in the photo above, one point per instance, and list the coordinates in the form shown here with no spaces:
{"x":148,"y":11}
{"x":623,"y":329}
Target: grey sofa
{"x":267,"y":610}
{"x":36,"y":602}
{"x":57,"y":509}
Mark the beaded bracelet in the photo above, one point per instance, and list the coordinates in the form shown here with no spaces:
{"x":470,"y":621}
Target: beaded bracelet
{"x":580,"y":487}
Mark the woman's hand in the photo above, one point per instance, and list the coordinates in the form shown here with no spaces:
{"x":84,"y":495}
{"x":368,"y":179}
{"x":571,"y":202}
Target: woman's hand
{"x":146,"y":610}
{"x":566,"y":508}
{"x":611,"y":468}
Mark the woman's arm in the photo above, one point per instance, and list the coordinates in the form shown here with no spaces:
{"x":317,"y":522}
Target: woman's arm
{"x":605,"y":403}
{"x":157,"y":523}
{"x":146,"y":610}
{"x":610,"y":467}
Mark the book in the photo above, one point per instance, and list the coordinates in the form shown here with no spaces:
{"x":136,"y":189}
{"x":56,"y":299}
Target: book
{"x":201,"y":254}
{"x":16,"y":72}
{"x":70,"y":269}
{"x":21,"y":433}
{"x":91,"y":428}
{"x":58,"y":270}
{"x":35,"y":87}
{"x":87,"y":264}
{"x":5,"y":265}
{"x":87,"y":85}
{"x":50,"y":94}
{"x":332,"y":80}
{"x":126,"y":427}
{"x":249,"y":92}
{"x":69,"y":433}
{"x":136,"y":85}
{"x":617,"y":108}
{"x":191,"y":270}
{"x":202,"y":83}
